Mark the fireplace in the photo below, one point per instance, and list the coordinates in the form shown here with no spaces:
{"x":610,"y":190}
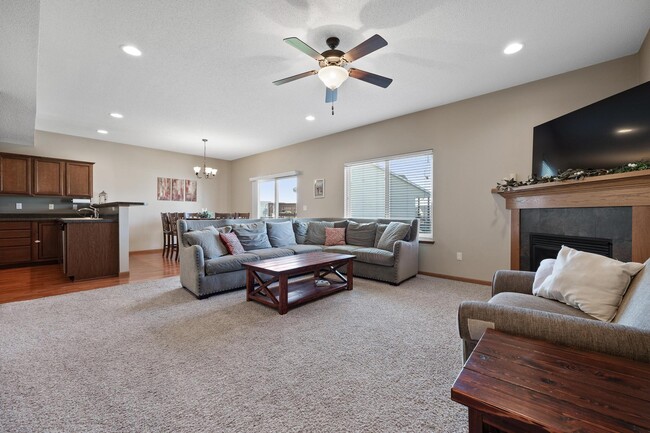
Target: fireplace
{"x":543,"y":246}
{"x":614,"y":207}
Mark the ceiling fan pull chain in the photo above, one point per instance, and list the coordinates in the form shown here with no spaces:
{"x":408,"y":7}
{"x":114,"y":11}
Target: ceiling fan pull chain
{"x":332,"y":108}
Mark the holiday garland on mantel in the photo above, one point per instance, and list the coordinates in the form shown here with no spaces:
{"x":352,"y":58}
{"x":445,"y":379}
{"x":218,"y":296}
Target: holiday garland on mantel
{"x":575,"y":174}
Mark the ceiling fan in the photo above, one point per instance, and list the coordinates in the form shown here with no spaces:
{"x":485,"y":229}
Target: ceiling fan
{"x":332,"y":64}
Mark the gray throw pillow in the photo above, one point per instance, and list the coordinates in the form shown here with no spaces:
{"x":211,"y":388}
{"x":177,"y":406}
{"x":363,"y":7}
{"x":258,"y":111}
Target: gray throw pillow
{"x":208,"y":239}
{"x":380,"y":231}
{"x":281,"y":234}
{"x":252,"y":236}
{"x":394,"y":232}
{"x":362,"y":235}
{"x":300,"y":230}
{"x":316,"y":232}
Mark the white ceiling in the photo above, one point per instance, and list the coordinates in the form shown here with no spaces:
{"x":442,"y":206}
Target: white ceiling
{"x":207,"y":65}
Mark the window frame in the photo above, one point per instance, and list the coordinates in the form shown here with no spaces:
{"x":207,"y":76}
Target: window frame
{"x":255,"y":181}
{"x":386,"y":160}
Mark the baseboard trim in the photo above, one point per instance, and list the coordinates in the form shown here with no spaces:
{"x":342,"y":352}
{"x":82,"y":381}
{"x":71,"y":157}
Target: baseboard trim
{"x":451,"y":277}
{"x":157,"y":250}
{"x":125,"y":274}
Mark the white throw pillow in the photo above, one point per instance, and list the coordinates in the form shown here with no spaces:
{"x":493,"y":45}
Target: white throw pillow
{"x":593,"y":283}
{"x":543,"y":272}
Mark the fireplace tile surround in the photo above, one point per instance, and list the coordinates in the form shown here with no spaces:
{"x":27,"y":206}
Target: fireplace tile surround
{"x":615,"y":206}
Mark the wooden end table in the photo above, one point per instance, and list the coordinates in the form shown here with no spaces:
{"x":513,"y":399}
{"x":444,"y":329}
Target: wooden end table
{"x":517,"y":384}
{"x":278,"y":292}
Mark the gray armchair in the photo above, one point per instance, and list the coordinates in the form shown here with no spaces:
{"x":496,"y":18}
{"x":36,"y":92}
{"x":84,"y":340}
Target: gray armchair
{"x":515,"y":310}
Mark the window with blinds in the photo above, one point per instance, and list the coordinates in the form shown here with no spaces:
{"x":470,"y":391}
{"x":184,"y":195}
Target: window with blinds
{"x":394,"y":187}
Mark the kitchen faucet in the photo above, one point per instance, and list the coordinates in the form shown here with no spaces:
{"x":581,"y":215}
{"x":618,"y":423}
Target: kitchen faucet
{"x":91,"y":209}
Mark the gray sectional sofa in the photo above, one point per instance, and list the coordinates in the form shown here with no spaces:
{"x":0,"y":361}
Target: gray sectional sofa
{"x":384,"y":251}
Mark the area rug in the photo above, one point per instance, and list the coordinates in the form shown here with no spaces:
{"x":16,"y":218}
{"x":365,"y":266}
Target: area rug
{"x":150,"y":357}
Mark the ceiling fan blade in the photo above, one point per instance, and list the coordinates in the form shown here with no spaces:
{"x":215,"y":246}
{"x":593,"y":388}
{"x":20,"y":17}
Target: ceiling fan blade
{"x":294,"y":78}
{"x":330,"y":95}
{"x":366,"y":47}
{"x":297,"y":43}
{"x":371,"y":78}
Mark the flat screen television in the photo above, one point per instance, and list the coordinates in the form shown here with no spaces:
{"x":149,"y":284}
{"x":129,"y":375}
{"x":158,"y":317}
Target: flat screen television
{"x":605,"y":134}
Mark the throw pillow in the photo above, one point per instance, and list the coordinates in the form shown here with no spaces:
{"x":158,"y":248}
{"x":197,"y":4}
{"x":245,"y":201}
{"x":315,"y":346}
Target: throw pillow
{"x":395,"y":231}
{"x":543,"y":272}
{"x":252,"y":235}
{"x":208,"y":239}
{"x":334,"y":236}
{"x":300,"y":230}
{"x":381,"y":228}
{"x":316,"y":232}
{"x":592,"y":283}
{"x":232,"y":243}
{"x":362,"y":235}
{"x":281,"y":234}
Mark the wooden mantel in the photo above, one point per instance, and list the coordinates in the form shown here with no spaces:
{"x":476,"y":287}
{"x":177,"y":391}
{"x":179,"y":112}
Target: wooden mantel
{"x":612,"y":190}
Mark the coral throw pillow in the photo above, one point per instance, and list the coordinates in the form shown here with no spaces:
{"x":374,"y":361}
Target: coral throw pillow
{"x":334,"y":236}
{"x":232,"y":243}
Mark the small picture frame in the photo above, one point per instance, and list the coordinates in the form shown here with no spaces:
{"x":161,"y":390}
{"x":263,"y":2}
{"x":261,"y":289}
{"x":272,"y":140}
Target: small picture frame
{"x":319,"y":188}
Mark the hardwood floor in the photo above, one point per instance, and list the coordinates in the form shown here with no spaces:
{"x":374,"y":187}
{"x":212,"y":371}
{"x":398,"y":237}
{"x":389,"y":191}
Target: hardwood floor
{"x":19,"y":284}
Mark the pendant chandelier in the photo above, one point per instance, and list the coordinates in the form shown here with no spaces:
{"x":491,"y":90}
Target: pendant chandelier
{"x":205,"y":172}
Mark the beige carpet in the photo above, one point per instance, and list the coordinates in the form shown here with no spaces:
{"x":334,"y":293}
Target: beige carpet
{"x":150,"y":357}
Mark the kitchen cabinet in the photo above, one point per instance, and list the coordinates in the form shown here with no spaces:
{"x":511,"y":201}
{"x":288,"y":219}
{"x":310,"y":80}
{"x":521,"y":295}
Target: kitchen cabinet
{"x":79,"y":179}
{"x":15,"y":174}
{"x":15,"y":242}
{"x":90,"y":249}
{"x":46,"y":241}
{"x":49,"y":176}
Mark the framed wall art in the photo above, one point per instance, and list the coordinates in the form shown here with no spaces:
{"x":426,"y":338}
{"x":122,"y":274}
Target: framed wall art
{"x":319,"y":188}
{"x":164,"y":188}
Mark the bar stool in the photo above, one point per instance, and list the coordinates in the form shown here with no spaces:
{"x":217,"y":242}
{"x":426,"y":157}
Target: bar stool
{"x":167,"y":233}
{"x":173,"y":244}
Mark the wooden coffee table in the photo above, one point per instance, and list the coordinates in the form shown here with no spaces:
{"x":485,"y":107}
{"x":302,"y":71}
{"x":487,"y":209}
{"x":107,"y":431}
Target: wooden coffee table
{"x":280,"y":293}
{"x":517,"y":384}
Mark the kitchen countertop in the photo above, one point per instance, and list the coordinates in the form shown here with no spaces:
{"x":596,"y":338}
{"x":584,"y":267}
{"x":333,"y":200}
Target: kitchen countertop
{"x":119,"y":204}
{"x":86,"y":220}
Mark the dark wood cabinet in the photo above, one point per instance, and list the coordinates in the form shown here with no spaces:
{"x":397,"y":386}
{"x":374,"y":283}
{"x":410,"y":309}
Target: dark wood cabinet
{"x":46,"y":241}
{"x":15,"y":174}
{"x":79,"y":179}
{"x":49,"y":175}
{"x":91,"y":250}
{"x":40,"y":176}
{"x":15,"y":242}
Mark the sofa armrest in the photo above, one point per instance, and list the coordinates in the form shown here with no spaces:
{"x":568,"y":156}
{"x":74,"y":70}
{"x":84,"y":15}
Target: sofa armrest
{"x":192,"y":266}
{"x":513,"y":281}
{"x":586,"y":334}
{"x":406,"y":259}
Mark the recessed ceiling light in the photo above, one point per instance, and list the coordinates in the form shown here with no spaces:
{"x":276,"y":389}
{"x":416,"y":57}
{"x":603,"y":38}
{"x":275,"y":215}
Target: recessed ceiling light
{"x":102,"y":131}
{"x":512,"y":48}
{"x":131,"y":50}
{"x":310,"y":118}
{"x":117,"y":115}
{"x":624,"y":130}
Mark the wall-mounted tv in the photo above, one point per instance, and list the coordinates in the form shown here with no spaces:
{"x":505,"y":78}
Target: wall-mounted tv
{"x":605,"y":134}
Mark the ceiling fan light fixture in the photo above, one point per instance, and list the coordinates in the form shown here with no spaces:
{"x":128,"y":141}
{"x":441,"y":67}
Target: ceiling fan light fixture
{"x":333,"y":76}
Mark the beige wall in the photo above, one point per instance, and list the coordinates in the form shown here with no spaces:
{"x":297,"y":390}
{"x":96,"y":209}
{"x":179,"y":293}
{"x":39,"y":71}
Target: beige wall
{"x":644,"y":59}
{"x":129,"y":173}
{"x":476,"y":142}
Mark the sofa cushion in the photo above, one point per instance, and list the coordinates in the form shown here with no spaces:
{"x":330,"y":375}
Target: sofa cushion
{"x":395,"y":231}
{"x":281,"y":234}
{"x":593,"y":283}
{"x":271,"y":253}
{"x":375,"y":256}
{"x":523,"y":300}
{"x":208,"y":239}
{"x":381,"y":228}
{"x":232,"y":243}
{"x":361,"y":234}
{"x":228,"y":263}
{"x":316,"y":232}
{"x":252,"y":235}
{"x":303,"y":249}
{"x":334,"y":236}
{"x":300,"y":230}
{"x":342,"y":249}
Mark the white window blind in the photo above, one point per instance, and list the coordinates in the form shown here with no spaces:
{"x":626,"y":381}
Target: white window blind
{"x":393,"y":187}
